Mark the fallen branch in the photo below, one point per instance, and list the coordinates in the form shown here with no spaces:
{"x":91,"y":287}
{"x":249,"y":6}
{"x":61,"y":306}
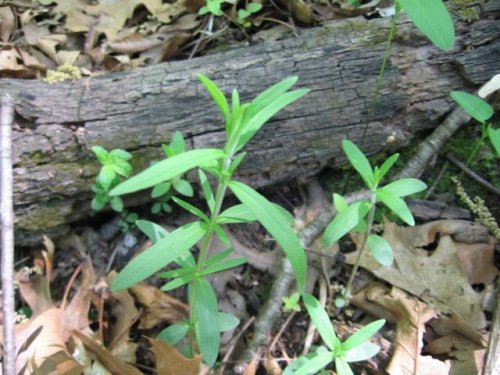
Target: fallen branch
{"x":469,"y":172}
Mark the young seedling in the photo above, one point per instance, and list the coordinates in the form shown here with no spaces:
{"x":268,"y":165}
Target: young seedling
{"x":480,"y":111}
{"x":360,"y":216}
{"x":242,"y":121}
{"x":356,"y":348}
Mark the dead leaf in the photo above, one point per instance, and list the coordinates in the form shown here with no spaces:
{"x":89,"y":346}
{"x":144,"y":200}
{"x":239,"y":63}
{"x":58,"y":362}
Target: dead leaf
{"x":113,"y":364}
{"x":8,"y":23}
{"x":438,"y":279}
{"x":159,"y":307}
{"x":271,"y":365}
{"x":478,"y":262}
{"x":34,"y":289}
{"x":170,"y":362}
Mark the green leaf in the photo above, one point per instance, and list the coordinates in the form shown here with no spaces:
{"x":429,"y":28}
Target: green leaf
{"x":174,"y":333}
{"x":494,"y":135}
{"x":362,"y":352}
{"x":101,"y":154}
{"x":291,"y":303}
{"x":207,"y":319}
{"x":122,"y":167}
{"x":364,"y":334}
{"x":344,"y":221}
{"x":397,"y":205}
{"x":236,"y":162}
{"x":178,"y":272}
{"x":235,"y":111}
{"x":154,"y":231}
{"x":272,"y":219}
{"x":380,"y":249}
{"x":167,"y":169}
{"x":207,"y":190}
{"x":106,"y":176}
{"x":359,"y":162}
{"x":159,"y":255}
{"x":227,"y":321}
{"x":120,"y":154}
{"x":321,"y":320}
{"x":236,"y":214}
{"x":177,"y":143}
{"x":116,"y":204}
{"x":254,"y":7}
{"x":386,"y":166}
{"x":98,"y":202}
{"x":255,"y":122}
{"x":161,"y":189}
{"x":404,"y":187}
{"x":476,"y":107}
{"x":224,"y":265}
{"x":156,"y":208}
{"x":218,"y":257}
{"x":432,"y":18}
{"x":242,"y":14}
{"x":214,"y":91}
{"x":221,"y":234}
{"x":342,"y":366}
{"x":339,"y":202}
{"x":183,"y":187}
{"x":190,"y":208}
{"x":178,"y":282}
{"x":315,"y":364}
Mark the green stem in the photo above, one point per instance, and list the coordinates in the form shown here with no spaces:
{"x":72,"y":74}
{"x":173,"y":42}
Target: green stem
{"x":479,"y":143}
{"x":371,"y":217}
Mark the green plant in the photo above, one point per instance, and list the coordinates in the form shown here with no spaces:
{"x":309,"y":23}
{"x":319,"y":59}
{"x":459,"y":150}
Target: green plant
{"x":242,"y":121}
{"x":162,"y":191}
{"x":359,"y":216}
{"x":480,"y":111}
{"x":356,"y":348}
{"x":214,"y":8}
{"x":114,"y":165}
{"x":246,"y":12}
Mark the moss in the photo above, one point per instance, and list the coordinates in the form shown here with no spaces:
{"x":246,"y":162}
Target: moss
{"x":467,"y":10}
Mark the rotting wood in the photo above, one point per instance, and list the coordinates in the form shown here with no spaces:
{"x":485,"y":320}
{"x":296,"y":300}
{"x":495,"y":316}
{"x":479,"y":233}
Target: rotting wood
{"x":140,"y":109}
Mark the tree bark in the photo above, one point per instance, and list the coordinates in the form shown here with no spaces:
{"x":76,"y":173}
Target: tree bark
{"x":138,"y":110}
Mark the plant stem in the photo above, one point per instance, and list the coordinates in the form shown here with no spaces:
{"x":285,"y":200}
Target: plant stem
{"x":479,"y":143}
{"x":371,"y":217}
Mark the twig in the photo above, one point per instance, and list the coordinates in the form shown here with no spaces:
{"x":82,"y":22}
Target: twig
{"x":469,"y":172}
{"x":280,"y":332}
{"x":234,"y":341}
{"x":7,"y":219}
{"x":492,"y":360}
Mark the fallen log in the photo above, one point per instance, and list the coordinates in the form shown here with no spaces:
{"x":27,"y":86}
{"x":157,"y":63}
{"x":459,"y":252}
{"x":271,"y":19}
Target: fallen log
{"x":138,"y":110}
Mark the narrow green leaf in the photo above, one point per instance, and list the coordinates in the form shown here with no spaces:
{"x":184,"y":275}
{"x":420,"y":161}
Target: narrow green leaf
{"x":235,"y":111}
{"x":315,"y":364}
{"x":183,"y":187}
{"x":380,"y":249}
{"x":178,"y":272}
{"x":339,"y":202}
{"x":270,"y":94}
{"x":159,"y":255}
{"x":227,"y":321}
{"x":255,"y":122}
{"x":494,"y":135}
{"x":404,"y":187}
{"x":207,"y":190}
{"x":432,"y":18}
{"x":177,"y":143}
{"x":156,"y":232}
{"x":219,"y":231}
{"x":386,"y":166}
{"x":364,"y":334}
{"x":192,"y":209}
{"x":345,"y":221}
{"x":342,"y":366}
{"x":321,"y":320}
{"x":476,"y":107}
{"x":359,"y":162}
{"x":167,"y":169}
{"x":224,"y":265}
{"x":362,"y":352}
{"x":236,"y":214}
{"x":218,"y":257}
{"x":178,"y":282}
{"x":174,"y":333}
{"x":207,"y":320}
{"x":216,"y":94}
{"x":274,"y":222}
{"x":236,"y":162}
{"x":397,"y":205}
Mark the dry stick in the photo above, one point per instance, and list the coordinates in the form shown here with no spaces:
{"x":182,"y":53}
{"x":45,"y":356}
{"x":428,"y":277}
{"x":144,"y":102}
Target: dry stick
{"x":469,"y":172}
{"x":7,"y":218}
{"x":492,"y":359}
{"x":271,"y":310}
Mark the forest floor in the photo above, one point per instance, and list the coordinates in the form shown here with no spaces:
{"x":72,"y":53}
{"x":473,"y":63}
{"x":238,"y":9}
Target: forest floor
{"x":438,"y":298}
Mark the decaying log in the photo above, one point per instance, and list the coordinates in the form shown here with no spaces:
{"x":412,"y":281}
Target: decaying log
{"x":140,"y":109}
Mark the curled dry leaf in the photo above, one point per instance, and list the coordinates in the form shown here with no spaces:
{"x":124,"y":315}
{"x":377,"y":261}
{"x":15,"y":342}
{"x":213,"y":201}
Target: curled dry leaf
{"x":170,"y":362}
{"x":8,"y":23}
{"x":159,"y":307}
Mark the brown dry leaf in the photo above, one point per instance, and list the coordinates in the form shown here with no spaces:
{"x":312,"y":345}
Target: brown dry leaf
{"x":411,"y":316}
{"x":170,"y":47}
{"x":159,"y":307}
{"x":468,"y":357}
{"x":46,"y":339}
{"x":8,"y":23}
{"x":10,"y":65}
{"x":170,"y":362}
{"x":125,"y":313}
{"x":135,"y":43}
{"x":271,"y":365}
{"x":34,"y":289}
{"x":478,"y":262}
{"x":253,"y":365}
{"x":112,"y":363}
{"x":438,"y":279}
